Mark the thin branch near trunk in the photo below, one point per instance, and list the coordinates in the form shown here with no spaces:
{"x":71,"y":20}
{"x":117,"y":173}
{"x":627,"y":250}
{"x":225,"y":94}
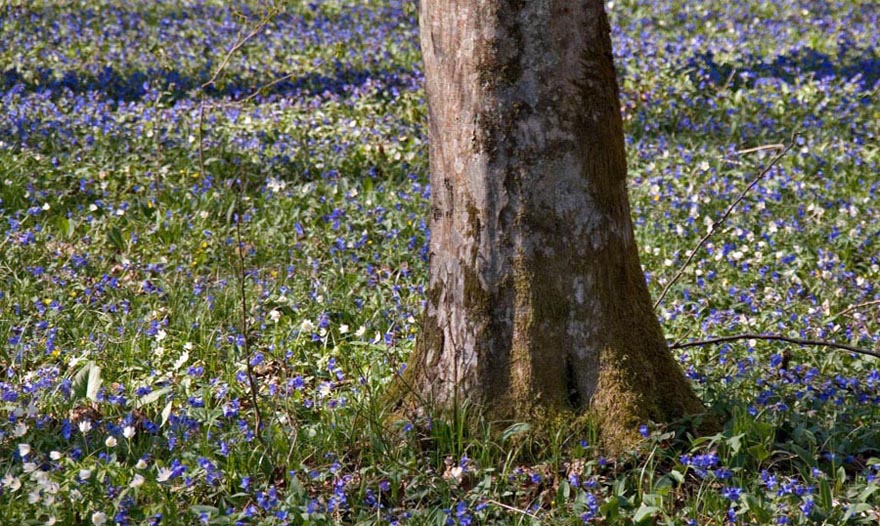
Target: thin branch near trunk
{"x":761,"y":148}
{"x":252,"y":380}
{"x":716,"y":224}
{"x":857,"y":307}
{"x":511,"y":508}
{"x":775,"y":337}
{"x":240,"y":41}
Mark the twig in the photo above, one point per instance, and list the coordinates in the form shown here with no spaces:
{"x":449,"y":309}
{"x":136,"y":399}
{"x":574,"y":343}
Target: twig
{"x":775,"y":337}
{"x":728,"y":81}
{"x":511,"y":508}
{"x":252,"y":382}
{"x":201,"y":130}
{"x":260,"y":89}
{"x":239,"y":42}
{"x":857,"y":307}
{"x":715,"y":224}
{"x":776,"y":146}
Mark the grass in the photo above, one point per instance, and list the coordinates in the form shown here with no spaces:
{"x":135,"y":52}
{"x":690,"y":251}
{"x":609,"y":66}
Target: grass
{"x":124,"y":396}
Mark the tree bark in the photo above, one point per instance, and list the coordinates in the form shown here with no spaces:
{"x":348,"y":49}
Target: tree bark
{"x":536,"y":300}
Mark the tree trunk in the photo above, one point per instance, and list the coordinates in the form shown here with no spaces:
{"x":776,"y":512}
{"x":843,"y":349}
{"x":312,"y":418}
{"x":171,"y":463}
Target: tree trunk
{"x":536,"y":300}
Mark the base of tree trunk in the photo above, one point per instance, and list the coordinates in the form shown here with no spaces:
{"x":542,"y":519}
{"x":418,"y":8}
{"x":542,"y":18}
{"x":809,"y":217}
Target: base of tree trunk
{"x":630,"y":392}
{"x":537,"y":304}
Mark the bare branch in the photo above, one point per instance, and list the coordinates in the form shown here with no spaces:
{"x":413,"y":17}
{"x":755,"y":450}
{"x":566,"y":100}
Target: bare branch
{"x":763,"y":147}
{"x":511,"y":508}
{"x":252,"y":381}
{"x":239,"y":43}
{"x":716,"y":224}
{"x":775,"y":337}
{"x":857,"y":307}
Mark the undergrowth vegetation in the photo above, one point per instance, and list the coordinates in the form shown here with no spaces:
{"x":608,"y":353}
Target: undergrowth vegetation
{"x":126,"y":366}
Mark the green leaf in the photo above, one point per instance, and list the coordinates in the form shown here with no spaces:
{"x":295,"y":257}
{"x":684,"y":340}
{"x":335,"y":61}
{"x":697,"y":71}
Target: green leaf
{"x":754,"y":506}
{"x":166,"y":412}
{"x":516,"y":429}
{"x":201,"y":508}
{"x":735,"y":443}
{"x":94,"y":383}
{"x":79,"y":380}
{"x":866,"y":493}
{"x":852,"y":509}
{"x":611,"y":510}
{"x":759,"y":452}
{"x":825,"y":500}
{"x":645,"y":512}
{"x":840,"y":478}
{"x":564,"y":492}
{"x":151,"y":397}
{"x":114,"y":236}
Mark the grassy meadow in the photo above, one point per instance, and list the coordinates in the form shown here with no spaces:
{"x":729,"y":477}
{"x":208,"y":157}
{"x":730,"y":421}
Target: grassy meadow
{"x":211,"y":216}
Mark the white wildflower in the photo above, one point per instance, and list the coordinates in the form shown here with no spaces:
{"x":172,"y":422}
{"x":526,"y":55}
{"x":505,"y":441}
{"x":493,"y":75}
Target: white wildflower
{"x":85,"y":474}
{"x":276,"y":185}
{"x":182,"y":360}
{"x":41,"y":477}
{"x":110,"y":442}
{"x":11,"y":483}
{"x":164,"y":475}
{"x":24,"y":449}
{"x":128,"y":432}
{"x":136,"y":481}
{"x":99,"y":518}
{"x":52,"y":488}
{"x":20,"y":429}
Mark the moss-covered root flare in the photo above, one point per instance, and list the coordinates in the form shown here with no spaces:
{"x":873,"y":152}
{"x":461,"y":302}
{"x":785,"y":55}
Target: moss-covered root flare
{"x":634,"y":392}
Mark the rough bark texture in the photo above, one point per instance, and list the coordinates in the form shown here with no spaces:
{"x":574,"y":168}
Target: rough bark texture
{"x":537,"y":302}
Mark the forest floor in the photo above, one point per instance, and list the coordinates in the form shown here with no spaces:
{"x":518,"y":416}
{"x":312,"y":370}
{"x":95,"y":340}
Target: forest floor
{"x":214,"y":217}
